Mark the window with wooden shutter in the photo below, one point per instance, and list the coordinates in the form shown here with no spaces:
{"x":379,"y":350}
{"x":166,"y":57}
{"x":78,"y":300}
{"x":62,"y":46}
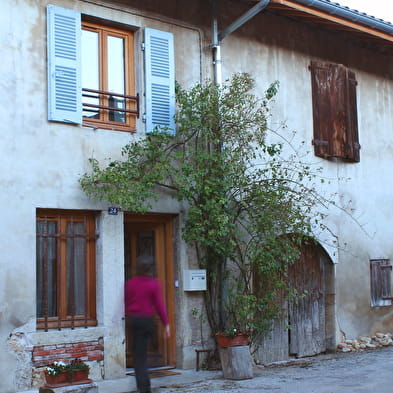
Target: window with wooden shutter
{"x":334,"y":112}
{"x":65,"y":269}
{"x":380,"y":277}
{"x":91,"y":74}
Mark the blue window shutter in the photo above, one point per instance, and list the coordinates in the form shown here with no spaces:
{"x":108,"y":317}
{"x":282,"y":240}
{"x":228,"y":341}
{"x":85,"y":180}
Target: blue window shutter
{"x":64,"y":65}
{"x":160,"y":80}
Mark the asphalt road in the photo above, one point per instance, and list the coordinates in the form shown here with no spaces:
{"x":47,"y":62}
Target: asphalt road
{"x":365,"y":372}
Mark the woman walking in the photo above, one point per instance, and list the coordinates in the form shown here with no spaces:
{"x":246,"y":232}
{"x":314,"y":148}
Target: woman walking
{"x":142,"y":299}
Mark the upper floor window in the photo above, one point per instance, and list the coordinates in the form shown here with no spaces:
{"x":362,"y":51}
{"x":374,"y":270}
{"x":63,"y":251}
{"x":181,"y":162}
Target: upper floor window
{"x":65,"y":269}
{"x":108,"y":94}
{"x":334,"y":112}
{"x":98,"y":60}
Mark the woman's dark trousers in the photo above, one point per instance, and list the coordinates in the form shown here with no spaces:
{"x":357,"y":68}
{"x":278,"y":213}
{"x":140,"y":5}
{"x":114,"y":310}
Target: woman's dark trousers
{"x":142,"y":329}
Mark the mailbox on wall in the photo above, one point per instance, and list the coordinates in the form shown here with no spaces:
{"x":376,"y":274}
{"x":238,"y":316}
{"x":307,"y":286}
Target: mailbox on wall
{"x":194,"y":280}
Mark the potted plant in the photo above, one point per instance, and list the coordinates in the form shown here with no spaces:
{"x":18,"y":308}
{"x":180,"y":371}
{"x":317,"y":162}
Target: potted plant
{"x":234,"y":352}
{"x":78,"y":371}
{"x":232,"y":338}
{"x":247,"y":315}
{"x":249,"y":320}
{"x":62,"y":374}
{"x":56,"y":373}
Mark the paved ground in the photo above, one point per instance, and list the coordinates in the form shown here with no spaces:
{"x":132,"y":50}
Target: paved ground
{"x":366,"y":372}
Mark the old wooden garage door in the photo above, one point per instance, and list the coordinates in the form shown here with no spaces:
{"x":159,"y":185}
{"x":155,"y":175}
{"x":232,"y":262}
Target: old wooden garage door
{"x":306,"y":315}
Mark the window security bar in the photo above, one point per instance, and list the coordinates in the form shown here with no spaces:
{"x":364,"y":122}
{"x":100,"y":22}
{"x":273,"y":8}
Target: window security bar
{"x":96,"y":94}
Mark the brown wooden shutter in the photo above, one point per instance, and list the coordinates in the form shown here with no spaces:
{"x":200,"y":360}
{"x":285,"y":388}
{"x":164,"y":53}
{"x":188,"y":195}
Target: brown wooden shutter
{"x":334,"y":111}
{"x":380,"y":280}
{"x":320,"y":82}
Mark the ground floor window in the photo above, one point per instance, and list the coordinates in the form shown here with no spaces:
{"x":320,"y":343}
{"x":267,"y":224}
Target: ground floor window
{"x":66,"y":268}
{"x":380,"y":271}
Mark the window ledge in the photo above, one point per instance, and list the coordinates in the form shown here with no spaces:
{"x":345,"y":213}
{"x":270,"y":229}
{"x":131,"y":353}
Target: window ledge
{"x":66,"y":335}
{"x":102,"y":126}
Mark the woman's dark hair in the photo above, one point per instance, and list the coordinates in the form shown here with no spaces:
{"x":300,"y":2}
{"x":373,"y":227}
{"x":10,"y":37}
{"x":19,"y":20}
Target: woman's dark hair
{"x":145,"y":265}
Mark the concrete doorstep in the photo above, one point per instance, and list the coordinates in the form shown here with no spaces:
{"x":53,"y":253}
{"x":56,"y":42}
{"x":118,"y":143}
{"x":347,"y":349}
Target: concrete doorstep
{"x":84,"y":388}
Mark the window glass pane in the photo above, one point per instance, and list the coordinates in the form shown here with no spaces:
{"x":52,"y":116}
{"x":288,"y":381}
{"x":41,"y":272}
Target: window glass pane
{"x":146,"y":244}
{"x":90,"y":72}
{"x":46,"y":269}
{"x":116,"y":77}
{"x":76,"y":269}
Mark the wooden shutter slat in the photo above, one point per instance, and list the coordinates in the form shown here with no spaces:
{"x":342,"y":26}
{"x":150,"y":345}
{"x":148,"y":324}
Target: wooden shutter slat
{"x":353,"y":146}
{"x":319,"y":84}
{"x":338,"y":112}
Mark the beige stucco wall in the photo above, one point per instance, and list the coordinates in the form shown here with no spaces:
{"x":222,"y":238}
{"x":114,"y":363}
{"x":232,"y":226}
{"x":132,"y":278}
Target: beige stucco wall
{"x":41,"y":164}
{"x":363,"y":191}
{"x":42,"y":161}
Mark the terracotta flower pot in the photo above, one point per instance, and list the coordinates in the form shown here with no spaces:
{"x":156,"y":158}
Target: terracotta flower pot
{"x":225,"y":341}
{"x":69,"y":377}
{"x":59,"y":379}
{"x":77,"y":375}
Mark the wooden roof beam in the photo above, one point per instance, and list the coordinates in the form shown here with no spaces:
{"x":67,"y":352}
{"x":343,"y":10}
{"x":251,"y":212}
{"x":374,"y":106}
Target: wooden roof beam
{"x":334,"y":19}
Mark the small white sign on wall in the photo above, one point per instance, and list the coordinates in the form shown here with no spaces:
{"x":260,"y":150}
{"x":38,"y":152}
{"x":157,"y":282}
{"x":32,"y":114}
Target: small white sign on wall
{"x":194,"y":279}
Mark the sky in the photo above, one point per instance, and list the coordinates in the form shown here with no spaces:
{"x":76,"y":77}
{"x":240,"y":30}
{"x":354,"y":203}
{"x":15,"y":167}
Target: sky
{"x":379,"y":8}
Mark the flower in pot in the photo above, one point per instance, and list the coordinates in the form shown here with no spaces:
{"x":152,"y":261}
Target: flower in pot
{"x":77,"y":370}
{"x":56,"y":373}
{"x":240,"y":317}
{"x":61,"y":374}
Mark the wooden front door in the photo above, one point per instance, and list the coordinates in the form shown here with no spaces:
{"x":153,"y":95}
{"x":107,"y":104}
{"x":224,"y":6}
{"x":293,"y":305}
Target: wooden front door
{"x":306,"y":315}
{"x":152,"y":235}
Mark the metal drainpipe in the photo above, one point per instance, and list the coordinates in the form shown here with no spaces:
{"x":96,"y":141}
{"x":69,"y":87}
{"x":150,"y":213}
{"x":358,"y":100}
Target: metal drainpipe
{"x":216,"y":55}
{"x":217,"y":62}
{"x":218,"y":37}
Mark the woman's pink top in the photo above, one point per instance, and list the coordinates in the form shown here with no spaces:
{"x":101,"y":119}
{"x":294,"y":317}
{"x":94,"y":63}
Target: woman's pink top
{"x":143,"y":298}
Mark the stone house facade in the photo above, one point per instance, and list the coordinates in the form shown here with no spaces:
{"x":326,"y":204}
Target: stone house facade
{"x":65,"y":257}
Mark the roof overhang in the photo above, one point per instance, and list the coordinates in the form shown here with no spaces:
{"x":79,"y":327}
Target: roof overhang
{"x":335,"y":17}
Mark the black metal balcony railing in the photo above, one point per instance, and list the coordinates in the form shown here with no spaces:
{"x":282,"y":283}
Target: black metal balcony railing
{"x":118,"y":104}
